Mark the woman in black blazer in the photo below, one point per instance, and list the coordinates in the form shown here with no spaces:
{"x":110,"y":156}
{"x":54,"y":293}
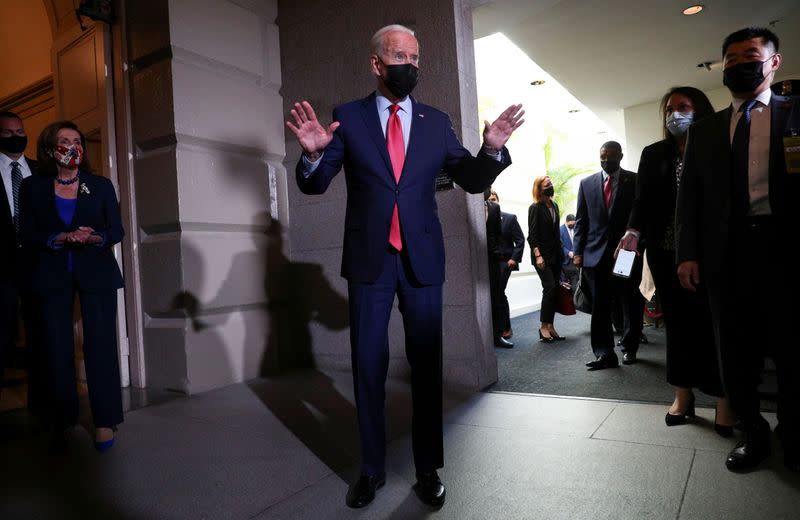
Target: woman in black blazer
{"x":544,"y":238}
{"x":691,"y":351}
{"x":70,"y":219}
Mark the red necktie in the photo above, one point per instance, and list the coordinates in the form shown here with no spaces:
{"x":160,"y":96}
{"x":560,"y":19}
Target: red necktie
{"x":607,"y":191}
{"x":397,"y":154}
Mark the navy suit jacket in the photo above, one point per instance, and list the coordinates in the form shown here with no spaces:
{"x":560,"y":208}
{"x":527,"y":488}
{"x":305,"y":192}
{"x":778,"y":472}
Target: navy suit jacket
{"x":598,"y":230}
{"x":12,"y":259}
{"x":705,"y":198}
{"x":512,"y":243}
{"x":93,"y":266}
{"x":360,"y":146}
{"x":566,"y":245}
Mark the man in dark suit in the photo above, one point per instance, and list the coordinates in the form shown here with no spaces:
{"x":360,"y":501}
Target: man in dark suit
{"x":15,"y":290}
{"x":392,"y":148}
{"x":738,"y":195}
{"x":568,"y":270}
{"x":605,"y":200}
{"x":494,"y":239}
{"x":510,"y":249}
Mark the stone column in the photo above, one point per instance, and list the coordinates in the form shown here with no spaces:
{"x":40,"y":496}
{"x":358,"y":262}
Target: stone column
{"x":325,"y":59}
{"x":207,"y":125}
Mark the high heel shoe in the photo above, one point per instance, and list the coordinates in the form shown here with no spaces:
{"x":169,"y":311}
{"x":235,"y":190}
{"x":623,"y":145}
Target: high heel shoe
{"x":557,"y":337}
{"x":545,"y":339}
{"x":675,"y":420}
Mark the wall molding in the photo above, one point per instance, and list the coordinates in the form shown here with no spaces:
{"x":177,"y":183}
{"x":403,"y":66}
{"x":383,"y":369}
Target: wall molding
{"x":32,"y":99}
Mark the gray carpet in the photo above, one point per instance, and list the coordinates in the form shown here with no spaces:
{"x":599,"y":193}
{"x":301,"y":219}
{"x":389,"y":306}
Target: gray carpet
{"x":558,"y":368}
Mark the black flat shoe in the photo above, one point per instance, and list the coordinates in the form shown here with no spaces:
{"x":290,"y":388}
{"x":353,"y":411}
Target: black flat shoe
{"x":675,"y":420}
{"x":628,"y":358}
{"x":502,"y":342}
{"x":544,"y":339}
{"x":610,"y":361}
{"x":362,"y":492}
{"x":747,"y":455}
{"x":429,"y":488}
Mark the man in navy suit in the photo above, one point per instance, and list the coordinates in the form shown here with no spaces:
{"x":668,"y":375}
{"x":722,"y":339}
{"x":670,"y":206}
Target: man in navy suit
{"x":14,"y":266}
{"x":605,"y":200}
{"x":512,"y":245}
{"x":568,"y":270}
{"x":392,"y":148}
{"x":738,"y":195}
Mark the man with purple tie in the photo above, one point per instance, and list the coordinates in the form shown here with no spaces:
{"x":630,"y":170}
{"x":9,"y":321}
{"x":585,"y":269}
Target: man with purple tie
{"x":392,"y":148}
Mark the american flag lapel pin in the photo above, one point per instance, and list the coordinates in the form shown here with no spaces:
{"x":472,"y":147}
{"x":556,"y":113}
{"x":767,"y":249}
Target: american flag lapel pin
{"x":421,"y":115}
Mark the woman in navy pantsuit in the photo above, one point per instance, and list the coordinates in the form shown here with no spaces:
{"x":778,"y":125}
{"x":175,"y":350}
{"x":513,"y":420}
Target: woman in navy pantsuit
{"x":70,"y":218}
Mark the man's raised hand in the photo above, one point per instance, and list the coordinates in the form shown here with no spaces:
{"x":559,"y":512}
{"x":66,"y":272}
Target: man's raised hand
{"x":496,"y":134}
{"x":313,"y":137}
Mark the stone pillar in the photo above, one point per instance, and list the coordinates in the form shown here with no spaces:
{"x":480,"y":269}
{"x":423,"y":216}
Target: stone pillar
{"x":208,"y":134}
{"x":325,"y":59}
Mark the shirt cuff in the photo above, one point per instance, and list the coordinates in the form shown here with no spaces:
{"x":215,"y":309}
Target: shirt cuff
{"x":311,"y":166}
{"x":51,"y":242}
{"x":497,"y":156}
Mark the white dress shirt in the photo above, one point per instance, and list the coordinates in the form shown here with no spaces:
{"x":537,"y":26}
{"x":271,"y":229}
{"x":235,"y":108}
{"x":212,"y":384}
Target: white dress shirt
{"x":758,"y":150}
{"x":5,"y":171}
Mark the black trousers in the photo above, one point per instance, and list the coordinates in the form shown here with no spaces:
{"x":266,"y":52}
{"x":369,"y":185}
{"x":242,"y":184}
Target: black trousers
{"x":754,"y":311}
{"x":98,"y":311}
{"x":605,"y":287}
{"x":505,"y":310}
{"x":691,"y":349}
{"x":550,"y":277}
{"x":497,"y":295}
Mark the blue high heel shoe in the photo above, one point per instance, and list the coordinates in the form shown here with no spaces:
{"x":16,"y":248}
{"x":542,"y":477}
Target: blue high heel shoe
{"x":104,"y":446}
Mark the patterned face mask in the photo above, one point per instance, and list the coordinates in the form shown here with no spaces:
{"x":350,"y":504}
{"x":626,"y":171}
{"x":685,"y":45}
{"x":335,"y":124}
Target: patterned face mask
{"x":68,"y":156}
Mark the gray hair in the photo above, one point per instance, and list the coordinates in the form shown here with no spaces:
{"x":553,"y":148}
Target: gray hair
{"x":376,"y":43}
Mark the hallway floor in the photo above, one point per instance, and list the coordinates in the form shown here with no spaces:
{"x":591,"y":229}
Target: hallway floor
{"x":285,"y":448}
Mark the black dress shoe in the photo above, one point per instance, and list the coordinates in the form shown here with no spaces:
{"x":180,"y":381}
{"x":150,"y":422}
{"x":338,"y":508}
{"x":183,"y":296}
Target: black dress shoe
{"x":747,"y":455}
{"x":430,"y":489}
{"x":643,"y":339}
{"x":502,"y":342}
{"x":676,"y":419}
{"x":362,"y":492}
{"x":600,"y":363}
{"x":628,"y":358}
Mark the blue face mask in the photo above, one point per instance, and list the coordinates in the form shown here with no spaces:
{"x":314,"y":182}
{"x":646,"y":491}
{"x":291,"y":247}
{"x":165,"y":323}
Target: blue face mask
{"x":678,"y":122}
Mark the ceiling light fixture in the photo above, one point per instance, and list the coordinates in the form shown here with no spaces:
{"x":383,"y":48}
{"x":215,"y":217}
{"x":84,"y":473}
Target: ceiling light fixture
{"x":574,"y":110}
{"x":537,"y":82}
{"x":709,"y":65}
{"x":693,"y":9}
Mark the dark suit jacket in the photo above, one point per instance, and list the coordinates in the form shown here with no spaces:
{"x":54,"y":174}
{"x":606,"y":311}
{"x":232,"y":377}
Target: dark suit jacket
{"x":566,"y":245}
{"x":93,"y":266}
{"x":494,"y":230}
{"x":512,"y":242}
{"x":597,"y":229}
{"x":543,"y":233}
{"x":359,"y":145}
{"x":12,"y":258}
{"x":656,"y":193}
{"x":705,"y":200}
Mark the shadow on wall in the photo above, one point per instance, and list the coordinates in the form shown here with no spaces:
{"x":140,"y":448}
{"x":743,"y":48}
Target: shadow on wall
{"x":304,"y":399}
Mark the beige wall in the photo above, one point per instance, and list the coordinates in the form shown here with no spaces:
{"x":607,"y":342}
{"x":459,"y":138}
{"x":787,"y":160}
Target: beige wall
{"x":207,"y":127}
{"x":25,"y":28}
{"x":26,"y":39}
{"x":331,"y":66}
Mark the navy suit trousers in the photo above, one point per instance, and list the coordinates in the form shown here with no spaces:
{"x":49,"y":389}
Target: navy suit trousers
{"x":421,"y":308}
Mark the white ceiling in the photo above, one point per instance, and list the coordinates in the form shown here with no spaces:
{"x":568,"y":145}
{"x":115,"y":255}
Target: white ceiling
{"x":613,"y":54}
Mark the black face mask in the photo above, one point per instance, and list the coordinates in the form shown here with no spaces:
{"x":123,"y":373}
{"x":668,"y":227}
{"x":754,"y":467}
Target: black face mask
{"x":13,"y":143}
{"x":549,"y":192}
{"x":609,"y":166}
{"x":744,"y":77}
{"x":400,"y":79}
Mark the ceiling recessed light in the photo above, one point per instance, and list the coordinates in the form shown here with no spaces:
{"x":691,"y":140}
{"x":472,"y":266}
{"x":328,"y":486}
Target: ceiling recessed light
{"x":693,"y":9}
{"x":537,"y":82}
{"x":574,"y":110}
